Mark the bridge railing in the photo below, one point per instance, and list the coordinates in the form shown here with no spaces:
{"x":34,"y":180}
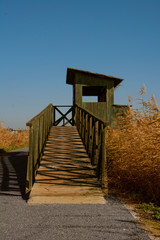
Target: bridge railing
{"x":92,"y":130}
{"x":39,"y":129}
{"x":64,"y":118}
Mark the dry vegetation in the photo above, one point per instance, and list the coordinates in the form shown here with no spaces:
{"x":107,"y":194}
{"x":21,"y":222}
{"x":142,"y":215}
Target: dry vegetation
{"x":10,"y":140}
{"x":133,"y":150}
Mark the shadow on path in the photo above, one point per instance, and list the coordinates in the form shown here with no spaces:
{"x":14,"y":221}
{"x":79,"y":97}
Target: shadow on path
{"x":13,"y":168}
{"x":111,"y":221}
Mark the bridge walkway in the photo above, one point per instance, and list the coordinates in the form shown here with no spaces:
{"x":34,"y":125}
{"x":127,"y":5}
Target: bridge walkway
{"x":65,"y":175}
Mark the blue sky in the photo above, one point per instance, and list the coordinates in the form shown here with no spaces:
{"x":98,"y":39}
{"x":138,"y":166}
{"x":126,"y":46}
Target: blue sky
{"x":39,"y":39}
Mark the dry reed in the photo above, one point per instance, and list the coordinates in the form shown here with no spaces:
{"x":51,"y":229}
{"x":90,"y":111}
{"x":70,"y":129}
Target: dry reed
{"x":10,"y":140}
{"x":133,"y":150}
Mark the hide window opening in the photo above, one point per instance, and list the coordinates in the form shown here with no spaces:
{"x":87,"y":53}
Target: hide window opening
{"x":89,"y":98}
{"x":93,"y":94}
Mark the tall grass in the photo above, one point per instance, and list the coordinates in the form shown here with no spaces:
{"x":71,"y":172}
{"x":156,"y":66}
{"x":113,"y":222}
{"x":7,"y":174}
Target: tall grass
{"x":10,"y":140}
{"x":133,"y":150}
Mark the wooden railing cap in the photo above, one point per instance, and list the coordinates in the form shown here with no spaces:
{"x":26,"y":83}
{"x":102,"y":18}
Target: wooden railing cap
{"x":106,"y":123}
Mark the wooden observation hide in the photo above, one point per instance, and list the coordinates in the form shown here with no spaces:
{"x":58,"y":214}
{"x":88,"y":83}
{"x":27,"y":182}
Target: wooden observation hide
{"x":93,"y":84}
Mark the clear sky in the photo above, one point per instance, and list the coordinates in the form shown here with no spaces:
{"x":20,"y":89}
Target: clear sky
{"x":39,"y":39}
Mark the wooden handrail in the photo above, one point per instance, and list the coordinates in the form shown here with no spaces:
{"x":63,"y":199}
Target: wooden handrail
{"x":92,"y":130}
{"x":106,"y":123}
{"x":39,"y":129}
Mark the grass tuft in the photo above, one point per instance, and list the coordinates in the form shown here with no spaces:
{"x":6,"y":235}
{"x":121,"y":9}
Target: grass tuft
{"x":151,"y":210}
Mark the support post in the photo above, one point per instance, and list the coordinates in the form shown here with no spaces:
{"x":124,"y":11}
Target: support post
{"x":104,"y":182}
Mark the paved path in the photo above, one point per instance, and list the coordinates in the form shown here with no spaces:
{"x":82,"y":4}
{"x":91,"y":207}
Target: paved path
{"x":66,"y":174}
{"x":18,"y":220}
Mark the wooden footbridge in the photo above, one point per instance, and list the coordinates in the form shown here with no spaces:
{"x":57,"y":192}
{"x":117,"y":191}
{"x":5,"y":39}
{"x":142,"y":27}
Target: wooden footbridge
{"x":67,"y":155}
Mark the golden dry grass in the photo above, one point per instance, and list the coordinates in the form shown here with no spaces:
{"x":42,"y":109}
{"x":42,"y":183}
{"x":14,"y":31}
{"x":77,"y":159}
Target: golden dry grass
{"x":10,"y":140}
{"x":133,"y":151}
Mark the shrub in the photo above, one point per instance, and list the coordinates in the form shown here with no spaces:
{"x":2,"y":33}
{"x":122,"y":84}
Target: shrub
{"x":10,"y":140}
{"x":133,"y":150}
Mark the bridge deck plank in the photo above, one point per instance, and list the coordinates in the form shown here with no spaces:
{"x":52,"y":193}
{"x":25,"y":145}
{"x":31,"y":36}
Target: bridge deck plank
{"x":65,"y":175}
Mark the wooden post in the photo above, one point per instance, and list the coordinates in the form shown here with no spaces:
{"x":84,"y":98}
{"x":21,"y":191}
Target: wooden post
{"x":29,"y":179}
{"x":83,"y":129}
{"x":80,"y":119}
{"x":88,"y":134}
{"x":90,"y":137}
{"x":100,"y":130}
{"x":46,"y":130}
{"x":86,"y":130}
{"x":35,"y":148}
{"x":95,"y":143}
{"x":93,"y":140}
{"x":51,"y":115}
{"x":78,"y":122}
{"x":75,"y":116}
{"x":36,"y":155}
{"x":104,"y":170}
{"x":54,"y":115}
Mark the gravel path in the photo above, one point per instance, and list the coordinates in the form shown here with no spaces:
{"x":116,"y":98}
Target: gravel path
{"x":18,"y":220}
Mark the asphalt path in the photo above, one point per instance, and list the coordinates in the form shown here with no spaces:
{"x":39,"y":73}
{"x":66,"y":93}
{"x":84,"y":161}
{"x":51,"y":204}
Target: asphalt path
{"x":18,"y":220}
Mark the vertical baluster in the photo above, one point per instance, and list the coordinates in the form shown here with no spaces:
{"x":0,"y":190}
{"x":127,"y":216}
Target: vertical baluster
{"x":48,"y":120}
{"x":51,"y":115}
{"x":46,"y":124}
{"x":99,"y":150}
{"x":86,"y":130}
{"x":90,"y":136}
{"x":83,"y":126}
{"x":38,"y":150}
{"x":43,"y":131}
{"x":40,"y":135}
{"x":80,"y":114}
{"x":35,"y":148}
{"x":46,"y":130}
{"x":77,"y":112}
{"x":104,"y":170}
{"x":78,"y":119}
{"x":29,"y":178}
{"x":54,"y":115}
{"x":75,"y":117}
{"x":95,"y":142}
